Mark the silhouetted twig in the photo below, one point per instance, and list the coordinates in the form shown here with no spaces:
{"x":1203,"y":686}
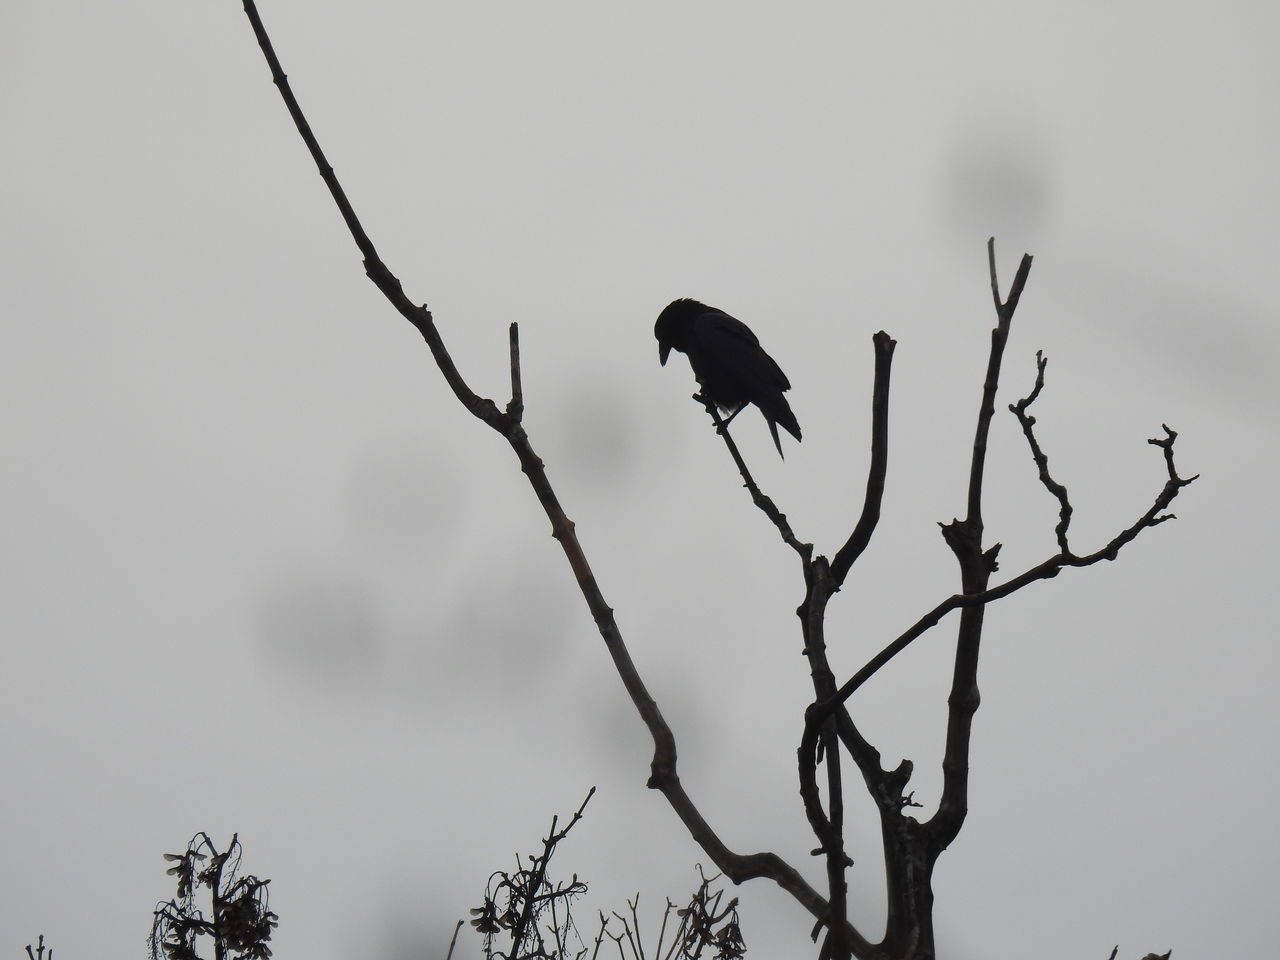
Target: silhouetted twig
{"x":761,"y":500}
{"x":705,"y":926}
{"x":453,"y":941}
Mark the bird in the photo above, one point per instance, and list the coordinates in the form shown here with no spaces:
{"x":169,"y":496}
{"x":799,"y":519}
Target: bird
{"x":728,"y":362}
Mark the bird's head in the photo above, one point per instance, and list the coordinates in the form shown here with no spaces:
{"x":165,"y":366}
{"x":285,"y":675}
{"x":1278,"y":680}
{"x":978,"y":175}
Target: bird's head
{"x":673,"y":326}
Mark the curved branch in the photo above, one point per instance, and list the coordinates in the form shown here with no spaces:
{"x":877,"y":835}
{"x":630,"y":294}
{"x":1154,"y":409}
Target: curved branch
{"x":861,"y":536}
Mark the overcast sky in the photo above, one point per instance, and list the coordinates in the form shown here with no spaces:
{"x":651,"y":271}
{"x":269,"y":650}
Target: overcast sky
{"x":263,"y":574}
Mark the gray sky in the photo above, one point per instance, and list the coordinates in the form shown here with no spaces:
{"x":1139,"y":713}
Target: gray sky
{"x":263,"y":574}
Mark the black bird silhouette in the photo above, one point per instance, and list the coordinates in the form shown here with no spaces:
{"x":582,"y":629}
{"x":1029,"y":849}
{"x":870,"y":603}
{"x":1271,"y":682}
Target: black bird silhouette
{"x":728,"y":361}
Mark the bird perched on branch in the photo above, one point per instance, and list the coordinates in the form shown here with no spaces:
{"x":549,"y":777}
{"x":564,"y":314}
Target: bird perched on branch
{"x":728,"y":362}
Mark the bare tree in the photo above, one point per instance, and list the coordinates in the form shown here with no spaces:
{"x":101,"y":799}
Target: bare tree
{"x":911,"y":846}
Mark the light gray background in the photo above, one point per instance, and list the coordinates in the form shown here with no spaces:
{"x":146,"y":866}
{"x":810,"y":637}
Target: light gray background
{"x":262,"y":573}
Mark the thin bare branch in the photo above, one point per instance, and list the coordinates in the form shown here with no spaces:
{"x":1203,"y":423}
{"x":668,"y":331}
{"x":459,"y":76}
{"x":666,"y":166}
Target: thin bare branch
{"x":765,"y":503}
{"x":453,"y":941}
{"x":999,"y":336}
{"x":1151,"y":518}
{"x":1028,"y":422}
{"x":635,"y":920}
{"x":375,"y":269}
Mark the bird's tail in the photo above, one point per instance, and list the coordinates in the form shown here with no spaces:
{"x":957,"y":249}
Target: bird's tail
{"x":781,"y":414}
{"x":773,"y":429}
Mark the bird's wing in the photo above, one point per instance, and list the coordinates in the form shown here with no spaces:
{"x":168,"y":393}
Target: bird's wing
{"x":732,"y":341}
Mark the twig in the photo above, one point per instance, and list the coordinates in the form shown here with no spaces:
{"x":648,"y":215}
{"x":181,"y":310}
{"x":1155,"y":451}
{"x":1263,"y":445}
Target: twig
{"x":375,"y":269}
{"x":539,"y":874}
{"x":632,"y":905}
{"x":765,"y":503}
{"x":999,"y":336}
{"x":1028,"y":422}
{"x":662,"y":931}
{"x":453,"y":941}
{"x":629,"y":934}
{"x":604,"y":923}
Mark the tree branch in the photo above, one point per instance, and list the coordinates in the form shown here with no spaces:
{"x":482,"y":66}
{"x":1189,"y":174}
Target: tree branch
{"x":663,"y":777}
{"x":976,"y":566}
{"x":828,"y":828}
{"x":1045,"y":570}
{"x":861,"y":536}
{"x":999,"y":336}
{"x":375,"y":269}
{"x":1151,"y":518}
{"x":765,"y":503}
{"x":515,"y":406}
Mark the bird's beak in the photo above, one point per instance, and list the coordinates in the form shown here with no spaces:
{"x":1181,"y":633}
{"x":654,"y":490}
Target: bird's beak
{"x":664,"y":350}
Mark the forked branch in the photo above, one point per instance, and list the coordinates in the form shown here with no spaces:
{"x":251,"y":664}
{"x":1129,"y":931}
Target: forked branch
{"x":1047,"y":568}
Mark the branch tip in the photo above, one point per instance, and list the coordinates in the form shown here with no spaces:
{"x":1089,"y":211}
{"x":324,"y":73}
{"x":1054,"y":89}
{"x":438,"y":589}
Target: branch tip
{"x":515,"y":407}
